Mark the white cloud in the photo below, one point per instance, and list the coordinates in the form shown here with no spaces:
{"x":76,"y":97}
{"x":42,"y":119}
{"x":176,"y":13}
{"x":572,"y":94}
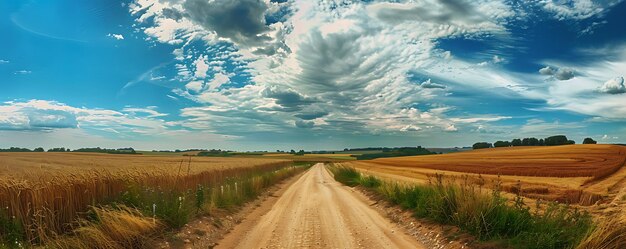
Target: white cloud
{"x":149,"y":111}
{"x":577,"y":9}
{"x":546,"y":71}
{"x":201,"y":67}
{"x":429,"y":84}
{"x":23,"y":72}
{"x":613,"y":86}
{"x":218,"y":80}
{"x":4,"y":61}
{"x":38,"y":115}
{"x":195,"y":86}
{"x":480,"y":119}
{"x":116,"y":36}
{"x":321,"y":49}
{"x":410,"y":128}
{"x":558,"y":73}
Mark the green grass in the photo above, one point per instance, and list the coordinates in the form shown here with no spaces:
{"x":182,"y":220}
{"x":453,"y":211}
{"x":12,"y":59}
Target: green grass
{"x":176,"y":208}
{"x":486,"y":215}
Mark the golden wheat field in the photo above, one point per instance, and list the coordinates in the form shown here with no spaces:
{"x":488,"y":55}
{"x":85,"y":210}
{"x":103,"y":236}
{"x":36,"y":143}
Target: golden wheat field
{"x":572,"y":173}
{"x":33,"y":165}
{"x":42,"y":195}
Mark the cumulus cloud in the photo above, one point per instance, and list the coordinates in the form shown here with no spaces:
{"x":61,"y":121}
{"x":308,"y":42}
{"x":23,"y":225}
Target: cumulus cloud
{"x":558,"y":73}
{"x":614,"y":86}
{"x":4,"y":61}
{"x":116,"y":36}
{"x":43,"y":115}
{"x":241,"y":21}
{"x":547,"y":71}
{"x":287,"y":98}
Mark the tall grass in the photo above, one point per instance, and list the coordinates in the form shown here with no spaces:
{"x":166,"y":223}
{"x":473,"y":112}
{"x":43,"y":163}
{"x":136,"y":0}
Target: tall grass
{"x":37,"y":212}
{"x":483,"y":213}
{"x":609,"y":234}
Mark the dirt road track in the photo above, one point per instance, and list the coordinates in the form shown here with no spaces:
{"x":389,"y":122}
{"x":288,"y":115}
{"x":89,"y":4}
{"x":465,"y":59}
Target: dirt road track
{"x":318,"y":212}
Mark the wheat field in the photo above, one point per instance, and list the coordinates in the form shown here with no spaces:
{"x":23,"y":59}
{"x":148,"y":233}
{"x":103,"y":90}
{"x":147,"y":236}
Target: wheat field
{"x":558,"y":173}
{"x":43,"y":195}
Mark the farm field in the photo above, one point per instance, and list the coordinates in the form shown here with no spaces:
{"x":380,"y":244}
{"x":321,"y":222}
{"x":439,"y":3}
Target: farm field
{"x":33,"y":165}
{"x":570,"y":173}
{"x":45,"y":196}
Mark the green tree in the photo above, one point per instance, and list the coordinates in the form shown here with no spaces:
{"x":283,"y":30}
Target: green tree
{"x":502,"y":144}
{"x":38,"y":149}
{"x":516,"y":142}
{"x":557,"y":140}
{"x":481,"y":145}
{"x":589,"y":141}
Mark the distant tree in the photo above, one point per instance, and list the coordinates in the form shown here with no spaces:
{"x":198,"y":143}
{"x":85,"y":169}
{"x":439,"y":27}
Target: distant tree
{"x":502,"y":144}
{"x":299,"y":153}
{"x":15,"y":149}
{"x":516,"y":142}
{"x":481,"y":145}
{"x":541,"y":142}
{"x":589,"y":141}
{"x":557,"y":140}
{"x":571,"y":142}
{"x":38,"y":149}
{"x":292,"y":152}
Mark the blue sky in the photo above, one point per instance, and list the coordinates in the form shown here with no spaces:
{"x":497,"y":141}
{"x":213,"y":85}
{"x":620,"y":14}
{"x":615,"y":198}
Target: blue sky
{"x":266,"y":75}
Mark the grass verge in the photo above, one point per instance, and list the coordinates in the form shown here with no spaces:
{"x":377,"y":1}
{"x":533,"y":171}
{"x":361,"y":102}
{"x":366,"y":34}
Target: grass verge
{"x":484,"y":214}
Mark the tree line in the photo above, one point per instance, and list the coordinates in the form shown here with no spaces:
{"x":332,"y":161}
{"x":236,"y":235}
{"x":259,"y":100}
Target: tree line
{"x":62,"y":149}
{"x":531,"y":141}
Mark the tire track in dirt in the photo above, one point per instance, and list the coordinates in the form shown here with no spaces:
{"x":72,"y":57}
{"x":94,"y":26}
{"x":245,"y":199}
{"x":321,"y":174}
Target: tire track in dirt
{"x":318,"y":212}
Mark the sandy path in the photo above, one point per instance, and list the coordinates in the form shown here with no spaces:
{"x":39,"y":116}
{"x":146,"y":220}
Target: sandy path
{"x":318,"y":212}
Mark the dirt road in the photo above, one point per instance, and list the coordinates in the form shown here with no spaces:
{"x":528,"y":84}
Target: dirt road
{"x":318,"y":212}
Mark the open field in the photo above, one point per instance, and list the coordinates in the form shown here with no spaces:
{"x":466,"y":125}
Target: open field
{"x":34,"y":165}
{"x":559,"y":161}
{"x":571,"y":173}
{"x":44,"y":195}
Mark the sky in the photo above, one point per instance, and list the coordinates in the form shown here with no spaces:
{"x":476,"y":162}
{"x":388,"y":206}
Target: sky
{"x":313,"y":75}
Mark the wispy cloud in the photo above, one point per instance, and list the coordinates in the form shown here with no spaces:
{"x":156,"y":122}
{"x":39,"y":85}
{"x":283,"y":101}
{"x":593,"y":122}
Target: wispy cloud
{"x":23,"y":72}
{"x":116,"y":36}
